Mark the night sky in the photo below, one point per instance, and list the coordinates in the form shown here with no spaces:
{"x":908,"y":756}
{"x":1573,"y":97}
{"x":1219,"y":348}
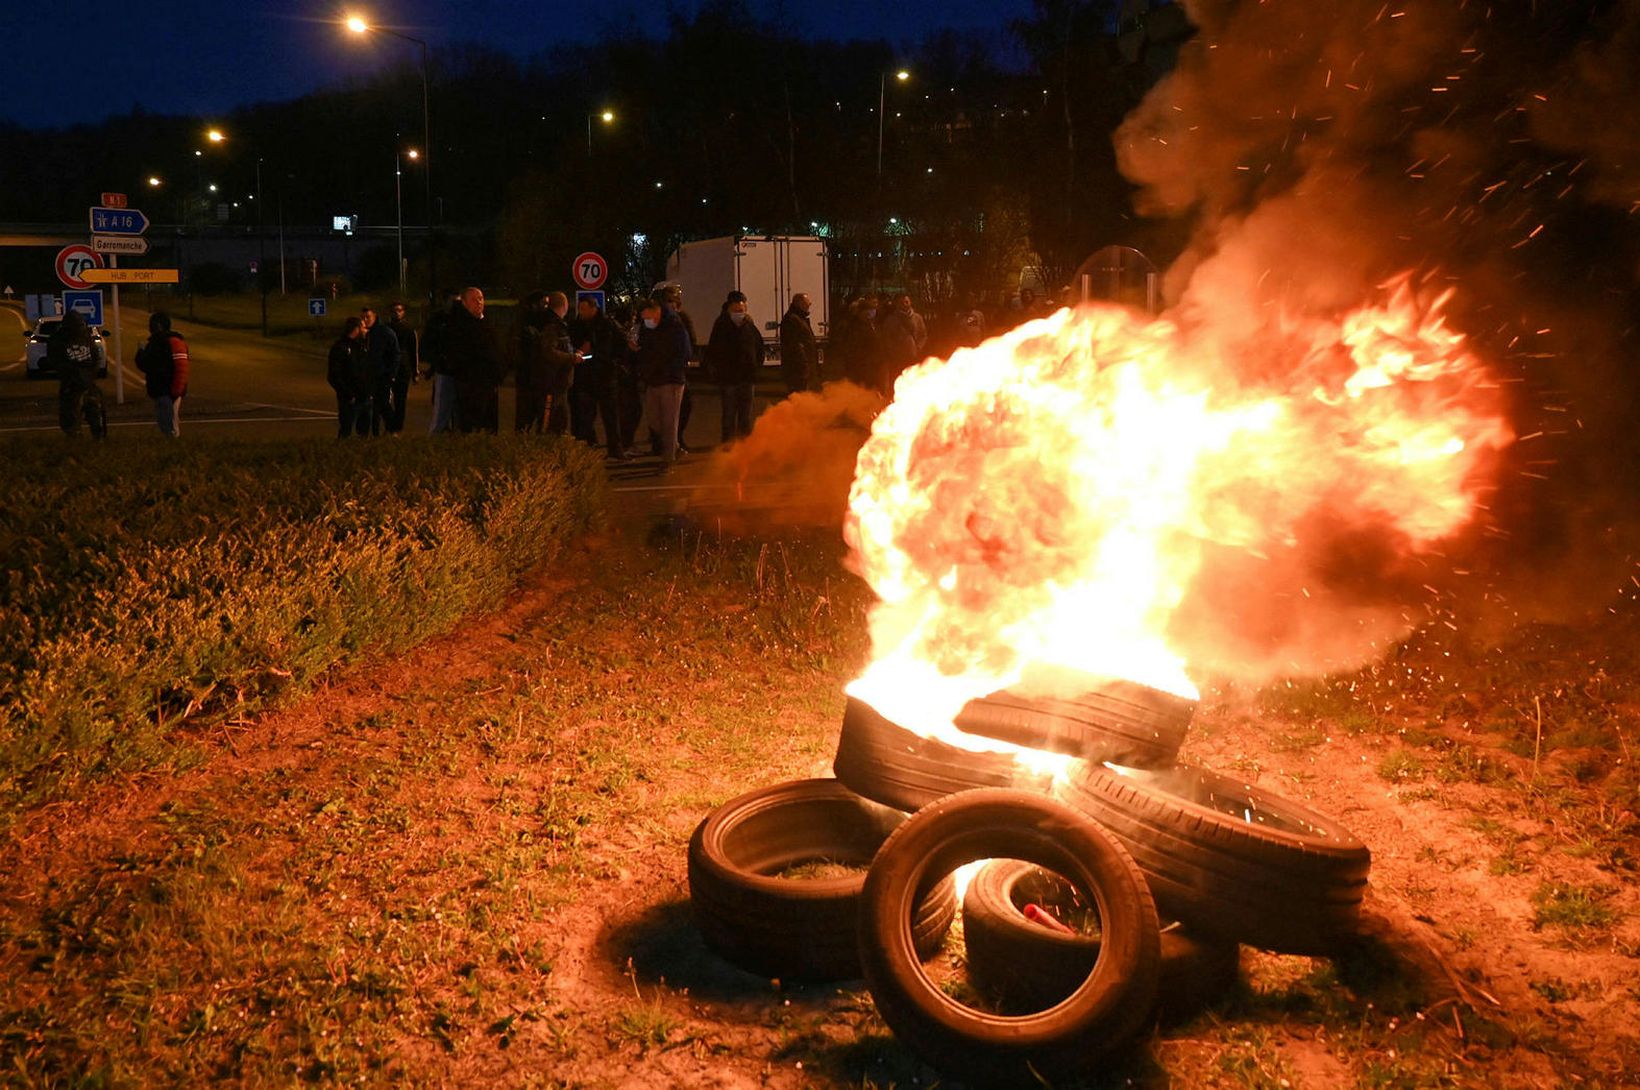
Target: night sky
{"x":202,"y":57}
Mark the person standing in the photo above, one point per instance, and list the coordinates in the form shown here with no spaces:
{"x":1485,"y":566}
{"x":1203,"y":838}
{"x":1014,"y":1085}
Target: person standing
{"x":734,"y":359}
{"x":600,"y":344}
{"x":544,"y":363}
{"x":382,"y":347}
{"x":628,"y":379}
{"x":904,"y":336}
{"x":672,"y":298}
{"x":446,"y":391}
{"x":663,"y":359}
{"x":409,"y":366}
{"x":72,"y":352}
{"x":799,"y":358}
{"x":469,"y":351}
{"x":165,"y":366}
{"x":349,"y":374}
{"x":970,"y":322}
{"x":560,"y":359}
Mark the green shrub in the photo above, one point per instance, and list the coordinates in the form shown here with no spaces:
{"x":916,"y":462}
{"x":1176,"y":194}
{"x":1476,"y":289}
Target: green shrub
{"x":147,"y":586}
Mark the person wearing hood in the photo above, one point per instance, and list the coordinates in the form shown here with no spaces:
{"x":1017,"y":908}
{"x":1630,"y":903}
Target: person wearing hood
{"x":72,"y":351}
{"x":799,"y":358}
{"x":165,"y":366}
{"x":734,"y":359}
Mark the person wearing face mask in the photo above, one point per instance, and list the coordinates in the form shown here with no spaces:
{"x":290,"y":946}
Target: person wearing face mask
{"x":904,"y":336}
{"x":799,"y":361}
{"x":860,"y":343}
{"x":663,"y":360}
{"x":734,"y":359}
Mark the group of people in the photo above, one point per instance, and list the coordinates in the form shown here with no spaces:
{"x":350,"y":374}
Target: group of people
{"x":163,"y":361}
{"x":572,"y":373}
{"x":371,"y":367}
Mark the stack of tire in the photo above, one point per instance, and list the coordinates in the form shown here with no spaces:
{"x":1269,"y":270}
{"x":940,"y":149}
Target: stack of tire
{"x":1177,"y":864}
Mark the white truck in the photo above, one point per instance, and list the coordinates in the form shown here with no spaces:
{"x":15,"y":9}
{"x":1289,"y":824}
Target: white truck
{"x":769,"y":269}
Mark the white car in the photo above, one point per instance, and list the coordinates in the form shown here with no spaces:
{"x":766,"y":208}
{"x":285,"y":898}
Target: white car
{"x":39,"y":366}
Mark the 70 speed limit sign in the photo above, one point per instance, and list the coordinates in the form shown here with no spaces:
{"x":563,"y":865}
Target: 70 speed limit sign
{"x":73,"y":261}
{"x":590,"y":271}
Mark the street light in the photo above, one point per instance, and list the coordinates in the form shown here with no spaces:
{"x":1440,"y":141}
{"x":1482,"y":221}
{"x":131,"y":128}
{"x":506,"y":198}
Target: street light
{"x":607,"y":117}
{"x":882,"y":96}
{"x":153,"y":182}
{"x":357,"y":25}
{"x":398,"y":202}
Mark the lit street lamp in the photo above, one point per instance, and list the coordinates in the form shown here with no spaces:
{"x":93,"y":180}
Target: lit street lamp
{"x":398,"y":202}
{"x":357,"y":25}
{"x":882,"y":96}
{"x":607,"y":117}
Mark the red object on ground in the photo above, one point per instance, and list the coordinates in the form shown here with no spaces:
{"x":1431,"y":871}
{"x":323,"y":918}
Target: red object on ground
{"x":1039,"y":915}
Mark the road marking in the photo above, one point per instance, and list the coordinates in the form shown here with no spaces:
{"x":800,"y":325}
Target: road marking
{"x":329,"y":414}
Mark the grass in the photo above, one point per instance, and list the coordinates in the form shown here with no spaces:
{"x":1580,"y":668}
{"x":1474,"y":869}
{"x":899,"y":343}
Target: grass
{"x":1579,"y":911}
{"x":159,"y":589}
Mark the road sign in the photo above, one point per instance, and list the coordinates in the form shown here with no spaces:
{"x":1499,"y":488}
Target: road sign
{"x":118,"y":244}
{"x":596,"y":298}
{"x":72,"y":263}
{"x":113,"y":200}
{"x":316,"y":307}
{"x":88,"y":303}
{"x":117,"y":221}
{"x":131,"y":276}
{"x":590,"y":270}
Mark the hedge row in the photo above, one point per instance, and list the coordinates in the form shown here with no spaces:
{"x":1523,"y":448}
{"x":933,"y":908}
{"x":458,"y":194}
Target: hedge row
{"x":145,"y":587}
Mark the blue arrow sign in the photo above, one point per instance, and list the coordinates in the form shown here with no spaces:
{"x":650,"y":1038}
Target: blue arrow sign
{"x":117,"y":221}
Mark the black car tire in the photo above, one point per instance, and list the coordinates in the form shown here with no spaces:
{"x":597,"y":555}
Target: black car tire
{"x":796,"y":928}
{"x":1229,"y":859}
{"x":1123,"y":722}
{"x":1110,"y":1008}
{"x":889,"y":764}
{"x":1026,"y":966}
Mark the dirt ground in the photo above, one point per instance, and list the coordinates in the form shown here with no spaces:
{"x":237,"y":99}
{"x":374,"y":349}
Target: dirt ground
{"x":466,"y":866}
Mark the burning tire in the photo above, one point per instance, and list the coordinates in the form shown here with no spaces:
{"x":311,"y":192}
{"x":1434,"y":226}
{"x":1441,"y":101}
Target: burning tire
{"x":889,"y":764}
{"x":1025,"y":966}
{"x":1228,"y":859}
{"x":1123,"y":722}
{"x":1106,"y":1011}
{"x":783,"y":925}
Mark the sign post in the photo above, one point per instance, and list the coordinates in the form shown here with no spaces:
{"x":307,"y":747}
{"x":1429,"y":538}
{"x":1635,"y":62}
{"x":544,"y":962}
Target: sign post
{"x":117,"y":229}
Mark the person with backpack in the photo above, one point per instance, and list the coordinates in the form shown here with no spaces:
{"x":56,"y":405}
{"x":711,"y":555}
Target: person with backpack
{"x":73,"y":354}
{"x":164,"y":364}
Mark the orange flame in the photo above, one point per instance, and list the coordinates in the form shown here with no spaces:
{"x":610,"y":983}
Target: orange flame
{"x":1043,"y":502}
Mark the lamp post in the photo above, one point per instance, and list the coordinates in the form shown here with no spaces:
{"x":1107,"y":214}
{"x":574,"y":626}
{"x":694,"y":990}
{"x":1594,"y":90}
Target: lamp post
{"x":607,"y":117}
{"x":882,"y":99}
{"x":398,"y":202}
{"x":359,"y":26}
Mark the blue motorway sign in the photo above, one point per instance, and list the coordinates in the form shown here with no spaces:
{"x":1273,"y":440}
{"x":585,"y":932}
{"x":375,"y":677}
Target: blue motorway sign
{"x":88,"y":303}
{"x":316,"y":307}
{"x":117,"y":221}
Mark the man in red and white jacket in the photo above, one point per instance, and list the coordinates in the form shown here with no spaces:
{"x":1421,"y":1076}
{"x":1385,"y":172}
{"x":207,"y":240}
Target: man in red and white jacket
{"x":164,"y":363}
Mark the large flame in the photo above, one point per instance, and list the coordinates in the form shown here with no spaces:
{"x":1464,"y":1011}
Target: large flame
{"x":1042,"y":503}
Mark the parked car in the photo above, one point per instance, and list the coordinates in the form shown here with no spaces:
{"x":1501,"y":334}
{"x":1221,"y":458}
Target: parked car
{"x":39,"y":365}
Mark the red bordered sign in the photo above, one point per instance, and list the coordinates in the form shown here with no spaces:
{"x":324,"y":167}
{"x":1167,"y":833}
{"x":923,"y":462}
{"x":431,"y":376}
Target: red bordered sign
{"x":73,"y":261}
{"x":590,"y":271}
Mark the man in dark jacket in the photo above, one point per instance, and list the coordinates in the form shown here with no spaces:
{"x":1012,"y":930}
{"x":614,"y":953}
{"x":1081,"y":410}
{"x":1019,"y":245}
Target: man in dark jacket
{"x":409,"y":366}
{"x":469,"y":351}
{"x":166,"y":366}
{"x":672,"y":299}
{"x":348,"y":372}
{"x":72,"y":352}
{"x":663,"y":360}
{"x":799,"y":358}
{"x":734,"y":359}
{"x":599,"y":343}
{"x":382,"y":347}
{"x":545,"y":363}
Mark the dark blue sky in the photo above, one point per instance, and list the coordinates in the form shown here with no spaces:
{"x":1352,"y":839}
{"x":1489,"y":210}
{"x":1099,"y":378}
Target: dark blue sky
{"x":202,"y":57}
